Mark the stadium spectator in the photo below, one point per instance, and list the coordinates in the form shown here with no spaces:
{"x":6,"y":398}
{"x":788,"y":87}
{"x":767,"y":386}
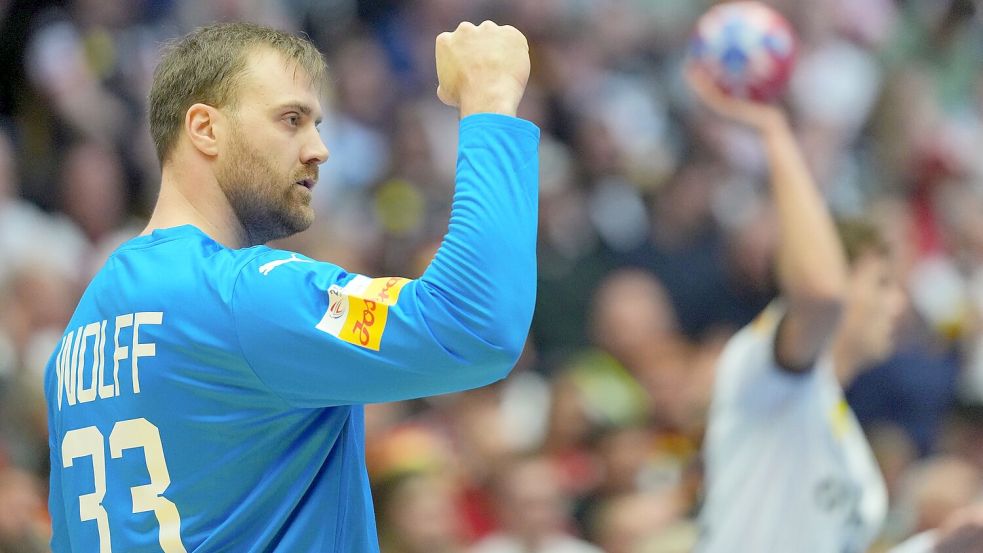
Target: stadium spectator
{"x":23,"y":524}
{"x":417,"y":514}
{"x":533,"y":512}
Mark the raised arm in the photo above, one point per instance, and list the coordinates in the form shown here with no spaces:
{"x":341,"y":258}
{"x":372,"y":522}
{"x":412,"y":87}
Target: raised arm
{"x":316,"y":335}
{"x":811,"y":266}
{"x":488,"y":254}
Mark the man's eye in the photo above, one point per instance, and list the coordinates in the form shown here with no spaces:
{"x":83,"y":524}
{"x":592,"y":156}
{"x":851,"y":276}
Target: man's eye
{"x":293,"y":120}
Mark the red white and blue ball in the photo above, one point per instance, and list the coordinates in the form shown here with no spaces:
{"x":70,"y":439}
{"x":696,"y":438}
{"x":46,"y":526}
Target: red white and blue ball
{"x":747,"y":48}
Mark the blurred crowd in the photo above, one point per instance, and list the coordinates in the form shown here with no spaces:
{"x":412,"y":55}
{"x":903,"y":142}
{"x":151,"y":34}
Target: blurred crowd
{"x":656,"y":244}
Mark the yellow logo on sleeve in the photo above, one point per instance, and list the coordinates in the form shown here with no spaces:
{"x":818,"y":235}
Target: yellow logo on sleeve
{"x":368,"y":302}
{"x":385,"y":290}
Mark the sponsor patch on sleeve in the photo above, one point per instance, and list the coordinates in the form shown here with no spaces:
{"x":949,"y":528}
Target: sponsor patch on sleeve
{"x":357,"y":313}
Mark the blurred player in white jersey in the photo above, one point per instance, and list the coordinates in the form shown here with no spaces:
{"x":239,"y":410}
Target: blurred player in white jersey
{"x":788,"y":466}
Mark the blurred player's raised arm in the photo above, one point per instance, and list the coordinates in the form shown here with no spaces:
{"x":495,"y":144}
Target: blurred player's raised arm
{"x":811,"y":265}
{"x":317,"y":335}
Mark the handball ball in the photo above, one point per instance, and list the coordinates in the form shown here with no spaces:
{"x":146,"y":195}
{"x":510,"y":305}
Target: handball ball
{"x":747,"y":48}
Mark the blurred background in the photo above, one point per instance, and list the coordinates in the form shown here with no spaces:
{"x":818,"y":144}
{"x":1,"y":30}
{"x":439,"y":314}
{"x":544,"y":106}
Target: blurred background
{"x":656,"y":243}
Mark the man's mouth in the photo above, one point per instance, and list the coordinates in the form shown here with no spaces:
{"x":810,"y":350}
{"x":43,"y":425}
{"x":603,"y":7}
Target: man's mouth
{"x":307,"y":183}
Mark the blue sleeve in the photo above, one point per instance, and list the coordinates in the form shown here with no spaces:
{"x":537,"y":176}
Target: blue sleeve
{"x":318,"y":336}
{"x":56,"y":503}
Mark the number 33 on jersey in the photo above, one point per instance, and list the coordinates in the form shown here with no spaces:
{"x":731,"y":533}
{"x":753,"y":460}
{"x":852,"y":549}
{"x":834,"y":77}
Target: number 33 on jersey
{"x":82,"y":377}
{"x":128,"y":434}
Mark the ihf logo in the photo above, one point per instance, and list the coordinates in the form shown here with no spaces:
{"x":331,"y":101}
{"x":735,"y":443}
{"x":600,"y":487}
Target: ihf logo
{"x":840,"y":498}
{"x":836,"y":494}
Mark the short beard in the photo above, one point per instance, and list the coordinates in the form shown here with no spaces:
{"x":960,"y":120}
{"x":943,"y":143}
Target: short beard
{"x":255,"y":190}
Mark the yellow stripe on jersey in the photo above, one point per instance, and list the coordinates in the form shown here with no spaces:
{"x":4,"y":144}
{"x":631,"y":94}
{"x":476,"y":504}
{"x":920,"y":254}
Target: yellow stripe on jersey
{"x":840,"y":418}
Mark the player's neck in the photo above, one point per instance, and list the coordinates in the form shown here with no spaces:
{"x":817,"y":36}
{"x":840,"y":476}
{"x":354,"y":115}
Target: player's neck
{"x":189,"y":199}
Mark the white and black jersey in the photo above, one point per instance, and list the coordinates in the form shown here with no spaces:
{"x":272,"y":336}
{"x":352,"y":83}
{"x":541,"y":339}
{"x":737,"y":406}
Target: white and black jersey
{"x":788,"y":466}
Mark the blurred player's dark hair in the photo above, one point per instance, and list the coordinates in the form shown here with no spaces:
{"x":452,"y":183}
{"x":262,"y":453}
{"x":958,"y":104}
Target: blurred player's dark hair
{"x":859,"y":237}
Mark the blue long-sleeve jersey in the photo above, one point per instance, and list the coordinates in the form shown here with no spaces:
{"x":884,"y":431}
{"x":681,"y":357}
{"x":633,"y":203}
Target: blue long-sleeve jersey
{"x":208,"y":399}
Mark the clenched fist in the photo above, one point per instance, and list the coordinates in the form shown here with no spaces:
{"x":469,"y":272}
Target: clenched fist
{"x":482,"y":69}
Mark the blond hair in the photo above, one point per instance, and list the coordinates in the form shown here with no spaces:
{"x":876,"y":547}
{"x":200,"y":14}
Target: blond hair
{"x":860,"y":237}
{"x":207,"y":65}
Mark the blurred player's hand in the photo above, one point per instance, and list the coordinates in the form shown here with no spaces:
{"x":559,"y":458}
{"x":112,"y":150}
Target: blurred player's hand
{"x":962,"y":532}
{"x":482,"y":69}
{"x":758,"y":115}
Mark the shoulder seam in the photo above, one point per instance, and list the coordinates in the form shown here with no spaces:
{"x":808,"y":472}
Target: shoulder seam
{"x":235,"y":330}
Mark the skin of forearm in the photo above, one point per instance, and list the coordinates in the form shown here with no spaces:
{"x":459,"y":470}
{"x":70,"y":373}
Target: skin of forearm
{"x":810,"y":262}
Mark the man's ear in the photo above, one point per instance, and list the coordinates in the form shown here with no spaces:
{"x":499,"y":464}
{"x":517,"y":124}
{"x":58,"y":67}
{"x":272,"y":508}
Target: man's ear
{"x":203,"y":123}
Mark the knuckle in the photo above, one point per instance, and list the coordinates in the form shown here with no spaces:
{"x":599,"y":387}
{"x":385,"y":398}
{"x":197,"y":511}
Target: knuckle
{"x":515,"y":34}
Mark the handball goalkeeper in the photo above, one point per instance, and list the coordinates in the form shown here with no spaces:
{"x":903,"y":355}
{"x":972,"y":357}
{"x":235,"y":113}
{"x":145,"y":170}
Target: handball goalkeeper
{"x":206,"y":395}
